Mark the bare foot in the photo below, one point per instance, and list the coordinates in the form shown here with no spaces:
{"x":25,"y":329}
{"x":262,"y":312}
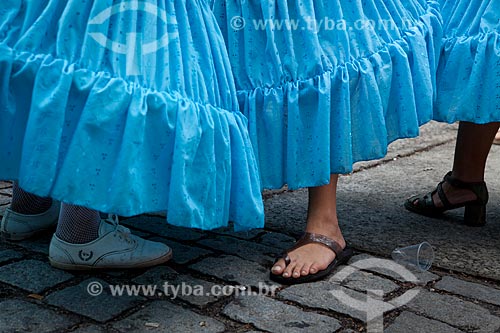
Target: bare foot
{"x":311,"y":258}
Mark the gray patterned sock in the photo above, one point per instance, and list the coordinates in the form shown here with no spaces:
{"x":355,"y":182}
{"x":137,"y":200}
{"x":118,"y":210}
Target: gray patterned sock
{"x":26,"y":203}
{"x":77,"y":224}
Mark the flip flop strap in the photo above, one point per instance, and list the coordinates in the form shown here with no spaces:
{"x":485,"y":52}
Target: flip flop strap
{"x":310,"y":238}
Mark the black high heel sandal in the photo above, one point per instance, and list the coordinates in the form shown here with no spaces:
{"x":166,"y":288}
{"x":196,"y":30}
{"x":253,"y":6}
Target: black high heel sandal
{"x":475,"y":210}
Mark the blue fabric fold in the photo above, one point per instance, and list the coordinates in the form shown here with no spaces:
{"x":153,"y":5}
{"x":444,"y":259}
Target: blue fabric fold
{"x":153,"y":127}
{"x":468,"y":77}
{"x":318,"y":100}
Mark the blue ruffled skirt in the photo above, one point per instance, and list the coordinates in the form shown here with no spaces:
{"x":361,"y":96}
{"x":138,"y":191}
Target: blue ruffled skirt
{"x":125,"y":107}
{"x":334,"y":84}
{"x":468,"y":77}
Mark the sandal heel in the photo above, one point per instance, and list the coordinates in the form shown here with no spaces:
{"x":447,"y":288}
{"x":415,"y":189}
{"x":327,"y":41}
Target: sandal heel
{"x":475,"y":210}
{"x":475,"y":215}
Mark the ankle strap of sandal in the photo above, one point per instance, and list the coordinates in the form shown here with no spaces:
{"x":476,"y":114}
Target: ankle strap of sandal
{"x":479,"y":188}
{"x":455,"y":182}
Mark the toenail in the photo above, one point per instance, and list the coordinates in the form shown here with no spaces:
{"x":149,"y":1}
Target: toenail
{"x":304,"y":272}
{"x":276,"y":268}
{"x":286,"y":275}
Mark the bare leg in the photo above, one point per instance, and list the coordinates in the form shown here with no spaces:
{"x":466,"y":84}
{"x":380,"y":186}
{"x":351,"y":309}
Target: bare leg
{"x":471,"y":151}
{"x":321,"y":219}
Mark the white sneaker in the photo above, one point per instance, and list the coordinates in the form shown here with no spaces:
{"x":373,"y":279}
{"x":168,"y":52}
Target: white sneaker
{"x":116,"y":248}
{"x":16,"y":226}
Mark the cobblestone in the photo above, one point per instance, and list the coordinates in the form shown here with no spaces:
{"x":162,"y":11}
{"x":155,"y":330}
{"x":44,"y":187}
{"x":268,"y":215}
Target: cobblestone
{"x":4,"y":245}
{"x":157,"y":276}
{"x":40,"y":245}
{"x":454,"y":311}
{"x":160,"y":227}
{"x":248,"y":234}
{"x":21,"y":316}
{"x":185,"y":286}
{"x":90,"y":329}
{"x":469,"y":289}
{"x":274,"y":316}
{"x":235,"y":269}
{"x":261,"y":254}
{"x":423,"y":278}
{"x":430,"y":312}
{"x":163,"y":316}
{"x":321,"y":295}
{"x":32,"y":275}
{"x":102,"y":307}
{"x":183,"y":253}
{"x":363,"y":281}
{"x":6,"y":255}
{"x":410,"y":322}
{"x":277,"y":240}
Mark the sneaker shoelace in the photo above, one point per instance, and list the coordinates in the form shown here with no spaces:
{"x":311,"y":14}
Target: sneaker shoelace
{"x":121,"y":231}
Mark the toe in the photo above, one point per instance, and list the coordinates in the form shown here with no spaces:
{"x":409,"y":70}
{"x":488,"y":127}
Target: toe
{"x":314,"y":268}
{"x":306,"y":269}
{"x":278,"y":267}
{"x":297,"y":272}
{"x":289,"y":270}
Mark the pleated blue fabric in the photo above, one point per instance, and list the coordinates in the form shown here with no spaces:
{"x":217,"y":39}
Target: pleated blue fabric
{"x":326,"y":83}
{"x":125,"y":107}
{"x":468,"y":77}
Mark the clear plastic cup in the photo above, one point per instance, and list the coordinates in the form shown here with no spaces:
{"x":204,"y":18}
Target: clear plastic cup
{"x":419,"y":256}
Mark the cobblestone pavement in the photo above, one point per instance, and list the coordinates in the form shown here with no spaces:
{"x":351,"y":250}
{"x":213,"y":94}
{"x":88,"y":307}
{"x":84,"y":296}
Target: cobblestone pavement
{"x":206,"y":288}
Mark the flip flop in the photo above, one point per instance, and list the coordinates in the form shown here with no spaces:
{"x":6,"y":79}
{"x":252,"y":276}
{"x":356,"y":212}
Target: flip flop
{"x":342,"y":256}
